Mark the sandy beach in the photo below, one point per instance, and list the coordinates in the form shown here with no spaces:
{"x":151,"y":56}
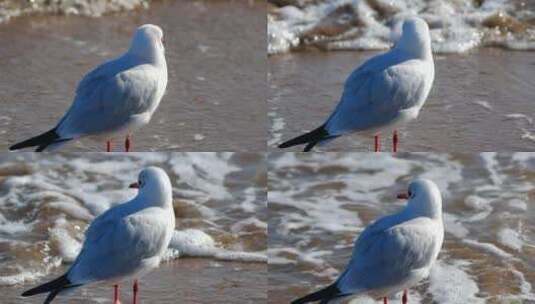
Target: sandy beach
{"x":215,"y":52}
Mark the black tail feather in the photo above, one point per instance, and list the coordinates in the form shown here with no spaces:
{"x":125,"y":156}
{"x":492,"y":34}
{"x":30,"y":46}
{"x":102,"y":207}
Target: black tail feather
{"x":310,"y":145}
{"x":41,"y":141}
{"x":54,"y":287}
{"x":311,"y":139}
{"x":51,"y":296}
{"x":325,"y":295}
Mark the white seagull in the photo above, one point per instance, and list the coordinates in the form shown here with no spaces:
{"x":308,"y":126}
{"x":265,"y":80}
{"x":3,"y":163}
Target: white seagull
{"x":385,"y":92}
{"x":126,"y":241}
{"x":114,"y":99}
{"x":395,"y":252}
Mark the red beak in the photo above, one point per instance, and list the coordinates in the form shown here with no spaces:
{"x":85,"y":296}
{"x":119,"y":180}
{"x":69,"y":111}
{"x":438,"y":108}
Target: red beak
{"x":134,"y":185}
{"x":403,"y":196}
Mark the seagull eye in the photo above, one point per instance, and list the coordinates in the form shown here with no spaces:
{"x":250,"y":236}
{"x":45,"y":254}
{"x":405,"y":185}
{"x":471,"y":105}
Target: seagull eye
{"x":410,"y":193}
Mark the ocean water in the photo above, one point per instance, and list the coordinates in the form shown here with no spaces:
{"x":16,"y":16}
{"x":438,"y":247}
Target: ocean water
{"x":471,"y":107}
{"x":319,"y":203}
{"x":91,"y":8}
{"x":47,"y":201}
{"x":456,"y":25}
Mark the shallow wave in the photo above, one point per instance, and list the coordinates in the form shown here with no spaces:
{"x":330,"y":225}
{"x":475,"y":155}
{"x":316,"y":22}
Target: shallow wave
{"x":321,"y":202}
{"x":47,"y":202}
{"x":92,"y":8}
{"x":456,"y":25}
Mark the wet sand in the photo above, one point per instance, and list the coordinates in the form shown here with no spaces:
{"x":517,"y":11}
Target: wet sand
{"x":466,"y":110}
{"x":187,"y":280}
{"x":215,"y":52}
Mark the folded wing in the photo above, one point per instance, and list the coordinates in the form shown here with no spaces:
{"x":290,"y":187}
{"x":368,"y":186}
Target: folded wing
{"x":382,"y":258}
{"x":109,"y":97}
{"x":374,"y":95}
{"x":114,"y":247}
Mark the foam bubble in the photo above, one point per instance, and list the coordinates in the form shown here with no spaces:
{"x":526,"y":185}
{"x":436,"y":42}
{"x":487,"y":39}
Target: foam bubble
{"x":450,"y":284}
{"x":510,"y":238}
{"x":489,"y":248}
{"x":196,"y":243}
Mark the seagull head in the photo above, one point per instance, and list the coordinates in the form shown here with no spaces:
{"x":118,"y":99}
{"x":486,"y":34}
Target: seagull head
{"x":424,"y":198}
{"x":154,"y":187}
{"x":415,"y":39}
{"x":148,"y":42}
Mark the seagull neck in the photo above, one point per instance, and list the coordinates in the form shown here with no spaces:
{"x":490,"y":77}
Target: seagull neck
{"x":415,"y":50}
{"x":430,"y":210}
{"x":153,"y":199}
{"x":147,"y":57}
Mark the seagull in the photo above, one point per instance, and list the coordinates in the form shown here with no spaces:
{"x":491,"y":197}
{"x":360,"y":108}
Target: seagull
{"x":114,"y":99}
{"x":126,"y":241}
{"x":385,"y":92}
{"x":395,"y":252}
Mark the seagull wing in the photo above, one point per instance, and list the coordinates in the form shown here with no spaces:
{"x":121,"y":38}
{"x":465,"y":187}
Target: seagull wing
{"x":375,"y":93}
{"x":109,"y":97}
{"x":116,"y":246}
{"x":384,"y":257}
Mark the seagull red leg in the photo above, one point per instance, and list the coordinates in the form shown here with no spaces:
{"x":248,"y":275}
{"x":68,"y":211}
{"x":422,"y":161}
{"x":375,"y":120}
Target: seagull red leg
{"x":395,"y":141}
{"x":385,"y":300}
{"x":404,"y":298}
{"x":377,"y":144}
{"x":108,"y":146}
{"x":135,"y":289}
{"x":127,"y":144}
{"x":116,"y":294}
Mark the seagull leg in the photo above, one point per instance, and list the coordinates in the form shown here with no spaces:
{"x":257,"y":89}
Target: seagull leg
{"x":135,"y":289}
{"x":395,"y":141}
{"x":404,"y":298}
{"x":108,"y":146}
{"x":127,"y":143}
{"x":116,"y":294}
{"x":377,"y":144}
{"x":385,"y":300}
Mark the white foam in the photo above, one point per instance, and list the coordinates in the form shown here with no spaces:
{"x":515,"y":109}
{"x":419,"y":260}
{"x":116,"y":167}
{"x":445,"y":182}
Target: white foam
{"x":510,"y":238}
{"x":28,"y":275}
{"x":528,"y":135}
{"x":454,"y":226}
{"x":489,"y":248}
{"x":198,"y":137}
{"x":519,"y":117}
{"x":457,"y":26}
{"x":72,"y":209}
{"x":518,"y":204}
{"x":204,"y":173}
{"x":450,"y":284}
{"x":492,"y":166}
{"x":10,"y":228}
{"x":525,"y":286}
{"x":480,"y":204}
{"x":196,"y":243}
{"x":277,"y":125}
{"x":68,"y":247}
{"x":484,"y":104}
